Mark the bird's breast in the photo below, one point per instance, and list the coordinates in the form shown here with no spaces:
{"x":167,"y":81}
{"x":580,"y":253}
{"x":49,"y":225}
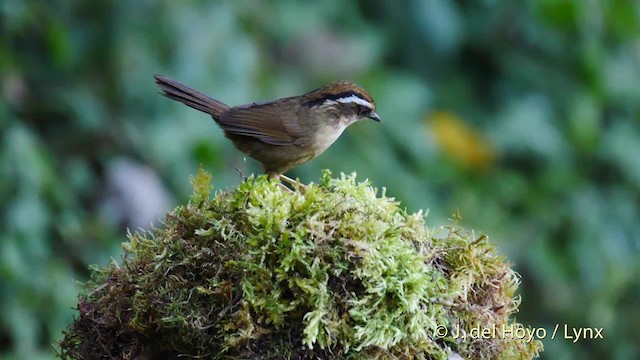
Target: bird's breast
{"x":325,"y":136}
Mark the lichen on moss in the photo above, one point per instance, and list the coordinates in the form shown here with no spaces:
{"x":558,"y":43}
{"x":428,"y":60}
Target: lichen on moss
{"x":334,"y":270}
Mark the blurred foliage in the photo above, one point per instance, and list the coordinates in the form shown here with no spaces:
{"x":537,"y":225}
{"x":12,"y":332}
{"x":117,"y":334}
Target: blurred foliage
{"x":548,"y":89}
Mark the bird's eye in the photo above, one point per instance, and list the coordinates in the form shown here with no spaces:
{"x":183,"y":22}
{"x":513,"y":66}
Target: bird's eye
{"x":363,"y":111}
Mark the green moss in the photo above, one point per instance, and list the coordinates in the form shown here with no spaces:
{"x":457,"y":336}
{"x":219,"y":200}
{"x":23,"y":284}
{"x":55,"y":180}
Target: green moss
{"x":332,"y":271}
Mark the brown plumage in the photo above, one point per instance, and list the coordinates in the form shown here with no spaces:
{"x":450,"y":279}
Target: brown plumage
{"x":283,"y":133}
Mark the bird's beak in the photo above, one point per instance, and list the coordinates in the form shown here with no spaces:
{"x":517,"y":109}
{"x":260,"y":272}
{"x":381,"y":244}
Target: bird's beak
{"x":374,"y":116}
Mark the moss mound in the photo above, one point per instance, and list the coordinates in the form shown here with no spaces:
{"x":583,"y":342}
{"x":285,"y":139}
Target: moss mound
{"x":333,"y":271}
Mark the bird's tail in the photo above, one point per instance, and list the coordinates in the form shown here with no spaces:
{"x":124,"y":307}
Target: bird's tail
{"x":191,"y":97}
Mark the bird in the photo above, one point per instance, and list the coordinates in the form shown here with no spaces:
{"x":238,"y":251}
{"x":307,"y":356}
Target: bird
{"x":281,"y":134}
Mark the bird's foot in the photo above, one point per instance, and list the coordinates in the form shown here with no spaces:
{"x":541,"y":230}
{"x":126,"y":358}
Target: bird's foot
{"x":285,"y":188}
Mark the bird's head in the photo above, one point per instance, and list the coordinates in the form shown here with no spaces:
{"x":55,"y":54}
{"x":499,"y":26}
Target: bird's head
{"x":347,"y":100}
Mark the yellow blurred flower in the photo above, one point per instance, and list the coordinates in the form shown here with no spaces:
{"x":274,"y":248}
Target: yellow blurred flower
{"x":460,"y":142}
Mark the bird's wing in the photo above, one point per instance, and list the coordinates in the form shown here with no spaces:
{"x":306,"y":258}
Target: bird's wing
{"x":265,"y":121}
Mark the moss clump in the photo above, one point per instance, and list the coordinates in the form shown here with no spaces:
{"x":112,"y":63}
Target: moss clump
{"x":333,"y":271}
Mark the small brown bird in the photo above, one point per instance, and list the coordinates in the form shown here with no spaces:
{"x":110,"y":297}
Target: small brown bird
{"x":282,"y":133}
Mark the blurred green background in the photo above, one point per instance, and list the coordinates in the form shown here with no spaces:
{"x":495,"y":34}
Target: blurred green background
{"x":524,"y":115}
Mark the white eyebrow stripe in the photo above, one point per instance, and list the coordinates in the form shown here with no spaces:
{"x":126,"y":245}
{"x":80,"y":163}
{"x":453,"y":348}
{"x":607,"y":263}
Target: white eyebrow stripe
{"x":330,"y":102}
{"x":356,"y":100}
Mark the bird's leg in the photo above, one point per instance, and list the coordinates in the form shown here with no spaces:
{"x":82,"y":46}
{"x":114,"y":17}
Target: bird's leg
{"x":292,"y":182}
{"x":275,"y":175}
